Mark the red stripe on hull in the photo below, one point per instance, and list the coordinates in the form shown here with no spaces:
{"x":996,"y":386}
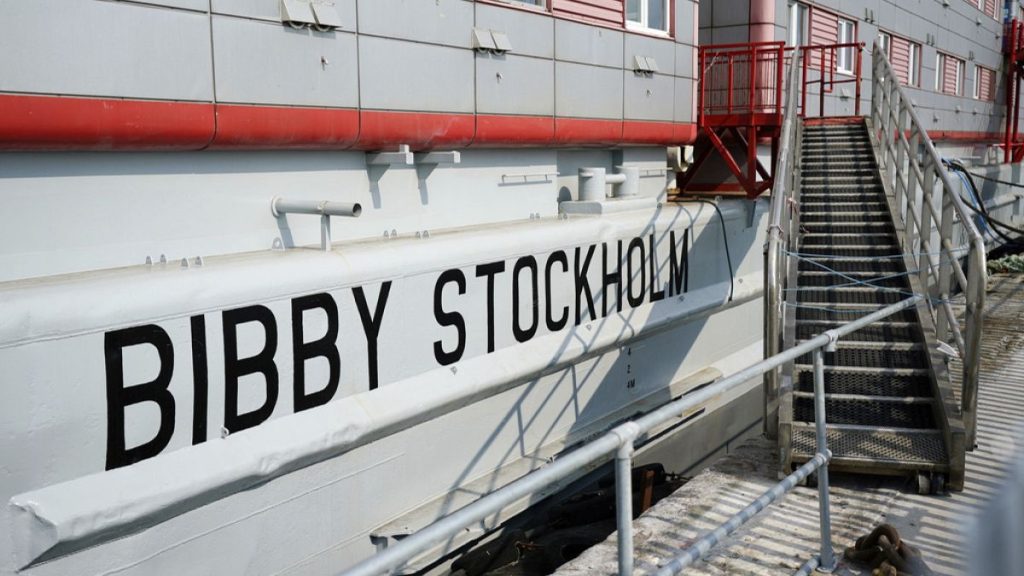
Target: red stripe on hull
{"x":420,"y":130}
{"x":279,"y":127}
{"x":514,"y":130}
{"x":586,"y":132}
{"x":62,"y":123}
{"x":637,"y":132}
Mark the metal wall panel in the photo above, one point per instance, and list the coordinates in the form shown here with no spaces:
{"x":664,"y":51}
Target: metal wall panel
{"x":399,"y":75}
{"x":448,"y":22}
{"x":271,"y":10}
{"x":197,"y":5}
{"x":530,"y":34}
{"x":685,"y":25}
{"x":588,"y":44}
{"x":686,"y":57}
{"x":266,"y":63}
{"x":663,"y":51}
{"x":57,"y":47}
{"x":514,"y":85}
{"x":684,"y":104}
{"x":648,"y":98}
{"x":588,"y":91}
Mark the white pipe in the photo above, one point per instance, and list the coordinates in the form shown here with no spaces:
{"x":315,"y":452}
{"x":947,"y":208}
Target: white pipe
{"x":280,"y":206}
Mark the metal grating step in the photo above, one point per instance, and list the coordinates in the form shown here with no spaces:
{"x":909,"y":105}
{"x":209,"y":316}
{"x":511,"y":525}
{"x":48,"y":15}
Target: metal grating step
{"x":850,"y":295}
{"x":844,"y":217}
{"x":913,"y":449}
{"x":825,"y":227}
{"x":880,"y":332}
{"x":815,"y":205}
{"x":869,"y":412}
{"x":831,"y":190}
{"x":865,"y":239}
{"x":822,"y":279}
{"x":845,"y":312}
{"x":855,"y":251}
{"x":887,"y":267}
{"x":873,"y":358}
{"x":866,"y":384}
{"x":851,"y":195}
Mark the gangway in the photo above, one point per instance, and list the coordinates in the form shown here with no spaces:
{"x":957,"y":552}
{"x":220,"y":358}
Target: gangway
{"x":866,"y":217}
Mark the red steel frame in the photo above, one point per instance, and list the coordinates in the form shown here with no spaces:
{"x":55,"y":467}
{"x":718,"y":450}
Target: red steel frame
{"x":740,"y":96}
{"x":1013,"y":148}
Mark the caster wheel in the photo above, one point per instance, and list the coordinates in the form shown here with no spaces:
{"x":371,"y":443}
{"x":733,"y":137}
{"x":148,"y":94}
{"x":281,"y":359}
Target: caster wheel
{"x":924,"y":484}
{"x":812,"y":479}
{"x":938,"y":484}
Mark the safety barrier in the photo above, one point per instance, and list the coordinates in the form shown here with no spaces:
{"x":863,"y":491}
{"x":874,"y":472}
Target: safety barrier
{"x":619,"y":443}
{"x":925,"y":196}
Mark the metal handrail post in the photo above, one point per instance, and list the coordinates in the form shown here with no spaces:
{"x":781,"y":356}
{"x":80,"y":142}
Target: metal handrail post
{"x":828,"y":559}
{"x":624,"y":496}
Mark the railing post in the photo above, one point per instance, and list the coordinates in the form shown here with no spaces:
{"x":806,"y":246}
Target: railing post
{"x":972,"y":345}
{"x":914,"y":145}
{"x":860,"y":57}
{"x":925,"y":218}
{"x":624,"y":497}
{"x":942,"y":322}
{"x":901,"y":157}
{"x":828,"y":560}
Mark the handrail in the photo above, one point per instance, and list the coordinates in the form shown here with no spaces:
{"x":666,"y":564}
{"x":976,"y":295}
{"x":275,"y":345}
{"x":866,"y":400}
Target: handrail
{"x":912,"y":168}
{"x":619,"y":442}
{"x":785,"y":193}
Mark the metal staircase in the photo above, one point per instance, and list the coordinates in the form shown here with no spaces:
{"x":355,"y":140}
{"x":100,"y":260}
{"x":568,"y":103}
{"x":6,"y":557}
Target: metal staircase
{"x":880,"y":401}
{"x":864,"y":216}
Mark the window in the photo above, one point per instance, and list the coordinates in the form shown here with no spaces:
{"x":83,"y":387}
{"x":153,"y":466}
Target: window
{"x":949,"y":74}
{"x":914,"y":65}
{"x":797,"y":24}
{"x":984,"y":83}
{"x":885,"y":41}
{"x":647,"y":14}
{"x":844,"y":58}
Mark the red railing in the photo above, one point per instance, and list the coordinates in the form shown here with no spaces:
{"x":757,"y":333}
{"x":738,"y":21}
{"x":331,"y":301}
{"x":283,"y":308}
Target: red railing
{"x":741,"y":84}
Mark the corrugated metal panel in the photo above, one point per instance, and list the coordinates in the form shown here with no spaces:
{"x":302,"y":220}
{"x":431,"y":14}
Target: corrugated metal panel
{"x":950,"y":65}
{"x":603,"y":11}
{"x":990,"y":8}
{"x":899,"y":57}
{"x":823,"y":28}
{"x":988,"y":81}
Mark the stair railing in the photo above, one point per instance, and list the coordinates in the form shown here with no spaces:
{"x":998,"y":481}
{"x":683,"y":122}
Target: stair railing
{"x":924,"y":196}
{"x":785,"y":194}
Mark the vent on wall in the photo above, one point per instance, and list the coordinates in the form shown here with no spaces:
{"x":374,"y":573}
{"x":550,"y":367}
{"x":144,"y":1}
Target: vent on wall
{"x":320,"y":15}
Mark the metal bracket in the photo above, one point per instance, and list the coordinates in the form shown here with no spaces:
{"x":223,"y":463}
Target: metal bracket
{"x":404,"y":157}
{"x":451,"y":157}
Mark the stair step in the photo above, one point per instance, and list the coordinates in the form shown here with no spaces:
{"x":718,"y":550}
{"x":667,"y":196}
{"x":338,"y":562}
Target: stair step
{"x":847,"y":312}
{"x":845,"y":217}
{"x":852,"y":195}
{"x":838,"y":180}
{"x":907,"y":448}
{"x":865,"y":384}
{"x":878,"y":332}
{"x":851,"y":295}
{"x":815,"y":205}
{"x":867,"y":411}
{"x":820,"y":278}
{"x":835,"y":189}
{"x":873,"y":358}
{"x":865,"y":239}
{"x":825,"y":227}
{"x":855,"y":251}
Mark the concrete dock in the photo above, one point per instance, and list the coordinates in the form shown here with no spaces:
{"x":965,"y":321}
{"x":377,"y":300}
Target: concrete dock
{"x":783,"y":537}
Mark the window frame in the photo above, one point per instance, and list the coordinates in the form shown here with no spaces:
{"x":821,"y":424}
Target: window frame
{"x":885,"y":39}
{"x":642,"y":24}
{"x":914,"y":64}
{"x":845,"y":55}
{"x":977,"y":83}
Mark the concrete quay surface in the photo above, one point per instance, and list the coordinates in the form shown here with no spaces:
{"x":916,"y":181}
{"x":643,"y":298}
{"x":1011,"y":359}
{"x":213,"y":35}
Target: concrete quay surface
{"x":784,"y":536}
